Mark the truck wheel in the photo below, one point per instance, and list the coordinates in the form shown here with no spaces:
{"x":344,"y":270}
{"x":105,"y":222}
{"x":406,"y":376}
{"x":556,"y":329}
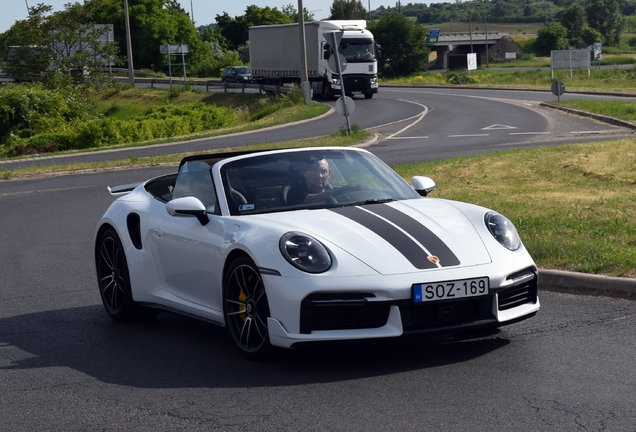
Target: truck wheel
{"x":368,"y":95}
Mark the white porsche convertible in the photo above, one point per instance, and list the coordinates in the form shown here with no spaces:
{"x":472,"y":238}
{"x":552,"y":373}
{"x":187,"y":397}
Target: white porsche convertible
{"x":288,"y":247}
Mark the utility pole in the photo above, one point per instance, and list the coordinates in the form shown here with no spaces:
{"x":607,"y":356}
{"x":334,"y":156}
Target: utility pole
{"x":486,"y":24}
{"x":29,"y":10}
{"x":470,"y":30}
{"x":304,"y":80}
{"x":131,"y":69}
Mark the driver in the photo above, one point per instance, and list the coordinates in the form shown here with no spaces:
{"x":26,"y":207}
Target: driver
{"x":316,"y":186}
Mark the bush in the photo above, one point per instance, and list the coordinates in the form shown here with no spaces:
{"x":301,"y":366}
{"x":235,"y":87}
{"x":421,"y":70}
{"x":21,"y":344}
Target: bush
{"x":551,"y":37}
{"x":459,"y":77}
{"x":212,"y":67}
{"x":161,"y":122}
{"x":29,"y":109}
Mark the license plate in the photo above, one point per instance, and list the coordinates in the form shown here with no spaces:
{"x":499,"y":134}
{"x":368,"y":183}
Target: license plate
{"x":450,"y":290}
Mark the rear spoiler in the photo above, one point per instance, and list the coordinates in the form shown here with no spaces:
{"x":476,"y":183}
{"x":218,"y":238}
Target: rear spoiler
{"x":123,"y":189}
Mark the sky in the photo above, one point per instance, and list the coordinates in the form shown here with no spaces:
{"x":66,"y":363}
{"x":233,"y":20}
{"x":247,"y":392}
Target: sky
{"x":205,"y":11}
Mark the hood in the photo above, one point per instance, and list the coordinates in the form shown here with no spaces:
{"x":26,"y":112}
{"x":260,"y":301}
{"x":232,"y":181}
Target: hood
{"x":398,"y":237}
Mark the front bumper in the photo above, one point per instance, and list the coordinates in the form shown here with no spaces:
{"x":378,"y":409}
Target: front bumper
{"x":333,"y":317}
{"x":358,"y":84}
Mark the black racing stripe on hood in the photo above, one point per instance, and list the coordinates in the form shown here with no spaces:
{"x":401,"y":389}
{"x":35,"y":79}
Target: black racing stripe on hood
{"x":403,"y":243}
{"x":419,"y":232}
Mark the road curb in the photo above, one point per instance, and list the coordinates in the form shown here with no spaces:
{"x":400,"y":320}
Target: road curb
{"x":590,"y":284}
{"x":606,"y":119}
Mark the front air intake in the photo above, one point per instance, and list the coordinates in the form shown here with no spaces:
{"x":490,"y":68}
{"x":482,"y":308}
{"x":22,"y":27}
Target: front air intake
{"x":523,"y":291}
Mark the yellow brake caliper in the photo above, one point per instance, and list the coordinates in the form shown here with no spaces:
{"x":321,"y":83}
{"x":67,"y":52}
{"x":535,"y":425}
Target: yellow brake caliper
{"x":242,"y":298}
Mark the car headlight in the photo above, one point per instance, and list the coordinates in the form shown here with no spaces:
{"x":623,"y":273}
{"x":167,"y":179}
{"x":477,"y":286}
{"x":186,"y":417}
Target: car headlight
{"x":335,"y":81}
{"x":305,"y":252}
{"x":373,"y":81}
{"x":503,"y":230}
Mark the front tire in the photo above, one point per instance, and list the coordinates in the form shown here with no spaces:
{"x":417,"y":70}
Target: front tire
{"x":114,"y":280}
{"x":246,"y":309}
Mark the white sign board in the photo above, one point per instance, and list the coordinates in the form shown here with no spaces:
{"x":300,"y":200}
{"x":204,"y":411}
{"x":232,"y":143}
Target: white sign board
{"x":174,"y":49}
{"x":570,"y":59}
{"x":511,"y":55}
{"x":471,"y":59}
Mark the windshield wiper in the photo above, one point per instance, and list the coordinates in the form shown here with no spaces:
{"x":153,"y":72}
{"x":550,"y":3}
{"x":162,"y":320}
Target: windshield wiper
{"x":379,"y":200}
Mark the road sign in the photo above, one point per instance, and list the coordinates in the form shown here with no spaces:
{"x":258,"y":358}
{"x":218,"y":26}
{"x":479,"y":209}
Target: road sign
{"x":471,"y":60}
{"x":333,"y":67}
{"x":558,"y":88}
{"x":343,"y":102}
{"x":433,"y":36}
{"x":328,"y":36}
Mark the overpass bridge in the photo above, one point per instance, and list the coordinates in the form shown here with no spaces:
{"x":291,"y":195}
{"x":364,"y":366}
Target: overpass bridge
{"x":452,"y":48}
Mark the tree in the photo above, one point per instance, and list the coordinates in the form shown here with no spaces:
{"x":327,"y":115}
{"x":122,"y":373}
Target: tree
{"x":347,"y":10}
{"x":551,"y":37}
{"x":153,"y":23}
{"x":605,"y":17}
{"x":236,"y":30}
{"x":403,"y":45}
{"x":591,"y":36}
{"x":574,"y":20}
{"x":291,"y":11}
{"x":46,"y":45}
{"x":545,"y":6}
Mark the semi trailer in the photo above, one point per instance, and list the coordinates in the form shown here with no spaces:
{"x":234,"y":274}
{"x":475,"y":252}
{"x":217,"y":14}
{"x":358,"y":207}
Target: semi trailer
{"x":275,"y":56}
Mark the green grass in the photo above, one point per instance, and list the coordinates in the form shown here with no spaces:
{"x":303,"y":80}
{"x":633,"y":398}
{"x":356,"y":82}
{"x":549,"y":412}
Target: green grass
{"x":619,"y":109}
{"x":508,"y":28}
{"x":574,"y":205}
{"x":613,"y":80}
{"x":134,"y":161}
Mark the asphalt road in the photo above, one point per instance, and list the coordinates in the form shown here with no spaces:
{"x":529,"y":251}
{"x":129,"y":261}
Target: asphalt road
{"x":414,"y":124}
{"x":64,"y":365}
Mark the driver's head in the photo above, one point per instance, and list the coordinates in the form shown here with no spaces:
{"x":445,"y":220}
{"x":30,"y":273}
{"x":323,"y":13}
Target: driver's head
{"x":317,"y":177}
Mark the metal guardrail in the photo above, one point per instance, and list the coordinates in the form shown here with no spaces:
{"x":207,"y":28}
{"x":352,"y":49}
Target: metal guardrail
{"x":210,"y":84}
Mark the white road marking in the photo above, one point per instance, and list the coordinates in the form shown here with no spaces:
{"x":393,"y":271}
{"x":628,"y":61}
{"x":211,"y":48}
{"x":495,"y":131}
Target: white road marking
{"x":499,"y":126}
{"x":420,"y":117}
{"x":472,"y":135}
{"x":529,"y":133}
{"x":406,"y":138}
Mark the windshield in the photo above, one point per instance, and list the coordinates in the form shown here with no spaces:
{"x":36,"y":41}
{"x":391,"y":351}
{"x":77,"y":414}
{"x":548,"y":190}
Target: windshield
{"x":357,"y":50}
{"x":308,"y":180}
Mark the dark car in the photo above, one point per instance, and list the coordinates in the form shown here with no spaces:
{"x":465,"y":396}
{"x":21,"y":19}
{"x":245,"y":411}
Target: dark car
{"x":239,"y":74}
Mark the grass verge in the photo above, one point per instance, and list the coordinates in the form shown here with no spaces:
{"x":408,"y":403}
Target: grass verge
{"x":574,"y":205}
{"x":620,"y":109}
{"x":614,"y":80}
{"x":134,"y":161}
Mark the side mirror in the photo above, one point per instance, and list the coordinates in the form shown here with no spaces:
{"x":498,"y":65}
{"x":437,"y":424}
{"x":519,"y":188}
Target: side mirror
{"x":188,"y":206}
{"x":423,"y":185}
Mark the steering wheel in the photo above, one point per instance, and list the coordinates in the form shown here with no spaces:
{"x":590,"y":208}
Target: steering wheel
{"x":345,"y":189}
{"x":343,"y":194}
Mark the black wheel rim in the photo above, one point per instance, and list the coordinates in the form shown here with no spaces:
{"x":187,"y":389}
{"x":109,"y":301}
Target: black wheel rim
{"x":111,"y":275}
{"x":246,"y":308}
